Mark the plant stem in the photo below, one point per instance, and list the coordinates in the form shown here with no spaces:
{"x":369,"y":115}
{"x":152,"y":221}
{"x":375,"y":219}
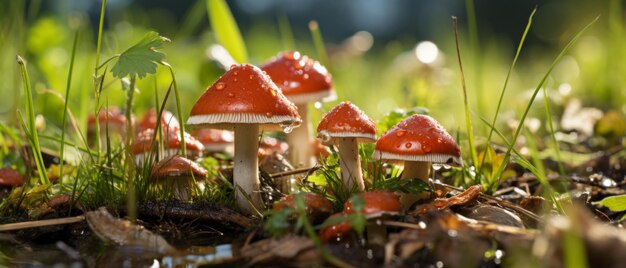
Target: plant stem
{"x":32,"y":129}
{"x":131,"y":201}
{"x":319,"y":45}
{"x":286,"y":34}
{"x":468,"y":120}
{"x":97,"y":79}
{"x":179,"y":112}
{"x":65,"y":108}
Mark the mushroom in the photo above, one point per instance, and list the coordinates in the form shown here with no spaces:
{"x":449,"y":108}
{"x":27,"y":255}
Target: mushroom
{"x":149,"y":120}
{"x":377,"y":203}
{"x":9,"y":177}
{"x":111,"y":117}
{"x":418,"y":140}
{"x":215,"y":140}
{"x":320,"y":151}
{"x":336,"y":232}
{"x":303,"y":81}
{"x":244,"y":99}
{"x":317,"y":208}
{"x":171,"y":143}
{"x":179,"y":175}
{"x":346,"y":125}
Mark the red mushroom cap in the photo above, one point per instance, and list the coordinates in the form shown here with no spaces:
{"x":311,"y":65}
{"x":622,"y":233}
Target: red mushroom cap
{"x":178,"y":166}
{"x":10,"y":177}
{"x":214,"y":139}
{"x":271,"y":145}
{"x":115,"y":116}
{"x":244,"y":94}
{"x":301,"y":79}
{"x":346,"y":120}
{"x":376,"y":201}
{"x":149,"y":120}
{"x":312,"y":201}
{"x":144,"y":139}
{"x":418,"y":138}
{"x":317,"y":208}
{"x":319,"y":149}
{"x":191,"y":143}
{"x":337,"y":232}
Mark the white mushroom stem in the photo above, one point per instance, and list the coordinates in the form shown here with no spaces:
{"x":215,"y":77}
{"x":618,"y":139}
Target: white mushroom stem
{"x":299,"y":140}
{"x":349,"y":163}
{"x":412,"y":170}
{"x":416,"y":169}
{"x":246,"y":167}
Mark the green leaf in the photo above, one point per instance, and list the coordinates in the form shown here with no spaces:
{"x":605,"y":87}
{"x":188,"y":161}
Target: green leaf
{"x":226,"y":30}
{"x":142,"y":58}
{"x":614,"y":203}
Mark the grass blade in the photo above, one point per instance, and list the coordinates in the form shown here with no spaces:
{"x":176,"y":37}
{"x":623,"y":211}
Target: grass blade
{"x":506,"y":80}
{"x":319,"y":45}
{"x":557,"y":149}
{"x":286,"y":34}
{"x":226,"y":30}
{"x":468,"y":119}
{"x":539,"y":86}
{"x":97,"y":81}
{"x":32,"y":129}
{"x":67,"y":96}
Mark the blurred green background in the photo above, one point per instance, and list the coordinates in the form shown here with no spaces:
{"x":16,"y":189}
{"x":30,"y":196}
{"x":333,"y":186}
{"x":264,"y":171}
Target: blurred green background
{"x":384,"y":54}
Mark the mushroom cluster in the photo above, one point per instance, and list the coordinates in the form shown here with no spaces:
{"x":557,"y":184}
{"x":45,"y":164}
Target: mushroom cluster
{"x":247,"y":99}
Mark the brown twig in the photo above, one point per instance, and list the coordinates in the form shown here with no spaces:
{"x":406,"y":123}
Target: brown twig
{"x":40,"y":223}
{"x":295,"y":171}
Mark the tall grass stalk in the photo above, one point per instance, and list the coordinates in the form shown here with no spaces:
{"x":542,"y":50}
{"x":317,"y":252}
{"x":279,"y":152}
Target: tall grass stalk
{"x":534,"y":95}
{"x":67,"y":97}
{"x":286,"y":34}
{"x":318,"y":41}
{"x":506,"y":83}
{"x":179,"y":112}
{"x":557,"y":149}
{"x":468,"y":119}
{"x":131,"y":199}
{"x":472,"y":26}
{"x":30,"y":128}
{"x":97,"y":79}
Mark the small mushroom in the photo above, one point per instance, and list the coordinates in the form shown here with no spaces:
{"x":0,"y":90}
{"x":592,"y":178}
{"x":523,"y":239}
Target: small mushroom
{"x":346,"y":125}
{"x":317,"y":208}
{"x":419,"y":141}
{"x":171,"y":144}
{"x":179,"y":175}
{"x":336,"y":232}
{"x":377,"y":203}
{"x":303,"y":81}
{"x":215,"y":140}
{"x":245,"y":100}
{"x":149,"y":120}
{"x":9,"y":177}
{"x":320,"y":150}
